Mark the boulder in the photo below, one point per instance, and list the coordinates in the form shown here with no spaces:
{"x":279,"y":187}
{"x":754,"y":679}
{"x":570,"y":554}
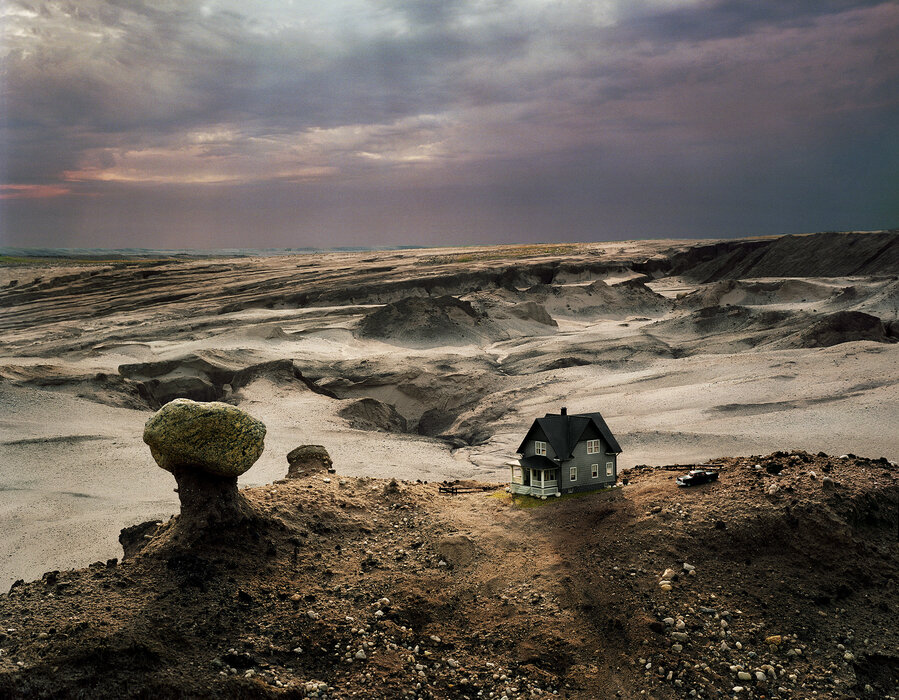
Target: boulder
{"x":206,"y":446}
{"x":307,"y":459}
{"x":371,"y":414}
{"x":215,"y":438}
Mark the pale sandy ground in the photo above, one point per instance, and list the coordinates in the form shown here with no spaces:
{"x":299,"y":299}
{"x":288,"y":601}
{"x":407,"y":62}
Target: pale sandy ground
{"x":73,"y":471}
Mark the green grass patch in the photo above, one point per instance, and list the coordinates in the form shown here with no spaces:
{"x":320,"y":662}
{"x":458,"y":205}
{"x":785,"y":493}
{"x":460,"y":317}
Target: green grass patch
{"x":518,"y":500}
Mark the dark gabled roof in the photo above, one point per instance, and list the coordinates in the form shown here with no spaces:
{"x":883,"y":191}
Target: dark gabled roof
{"x":537,"y":462}
{"x":563,"y":432}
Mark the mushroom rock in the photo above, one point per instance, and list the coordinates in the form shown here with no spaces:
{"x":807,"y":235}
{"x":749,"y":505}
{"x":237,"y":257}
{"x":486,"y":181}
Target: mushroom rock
{"x":307,"y":459}
{"x":206,"y":446}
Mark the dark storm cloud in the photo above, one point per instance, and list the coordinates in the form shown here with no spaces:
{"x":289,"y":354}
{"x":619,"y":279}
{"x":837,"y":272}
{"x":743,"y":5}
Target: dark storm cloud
{"x":429,"y":109}
{"x":730,"y":18}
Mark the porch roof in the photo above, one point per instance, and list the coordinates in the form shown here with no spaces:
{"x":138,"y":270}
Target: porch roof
{"x":538,"y":462}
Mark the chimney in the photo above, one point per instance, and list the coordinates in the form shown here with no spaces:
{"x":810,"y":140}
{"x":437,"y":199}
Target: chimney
{"x":564,"y":411}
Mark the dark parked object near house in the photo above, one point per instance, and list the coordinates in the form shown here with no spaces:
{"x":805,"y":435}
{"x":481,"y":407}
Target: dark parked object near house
{"x":563,"y":454}
{"x":697,"y":476}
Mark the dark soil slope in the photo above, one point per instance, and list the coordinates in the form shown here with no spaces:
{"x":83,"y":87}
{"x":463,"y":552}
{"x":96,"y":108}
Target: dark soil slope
{"x":780,"y":578}
{"x":812,"y":255}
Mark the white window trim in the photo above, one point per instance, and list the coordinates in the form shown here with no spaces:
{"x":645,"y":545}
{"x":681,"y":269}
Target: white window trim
{"x":572,"y":473}
{"x":593,"y":447}
{"x":594,"y":471}
{"x":540,"y":448}
{"x":610,"y":468}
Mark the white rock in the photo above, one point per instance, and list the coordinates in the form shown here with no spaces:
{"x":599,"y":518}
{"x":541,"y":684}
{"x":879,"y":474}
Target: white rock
{"x":760,"y":677}
{"x":744,"y":676}
{"x":688,"y":567}
{"x":312,"y":615}
{"x":361,"y":655}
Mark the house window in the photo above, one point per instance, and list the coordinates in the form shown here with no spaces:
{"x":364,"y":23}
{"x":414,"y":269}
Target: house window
{"x":572,"y":474}
{"x":539,"y":448}
{"x":592,"y":447}
{"x":516,"y":475}
{"x":537,"y":477}
{"x":610,"y":467}
{"x":594,"y":471}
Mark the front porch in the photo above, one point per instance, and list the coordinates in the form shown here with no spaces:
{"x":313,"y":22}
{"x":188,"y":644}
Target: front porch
{"x":537,"y":482}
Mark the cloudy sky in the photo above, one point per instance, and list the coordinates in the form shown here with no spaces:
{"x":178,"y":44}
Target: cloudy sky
{"x":221,"y":123}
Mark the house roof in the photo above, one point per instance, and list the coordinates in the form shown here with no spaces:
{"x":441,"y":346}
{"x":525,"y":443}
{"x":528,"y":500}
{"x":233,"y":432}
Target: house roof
{"x":563,"y":432}
{"x":538,"y":462}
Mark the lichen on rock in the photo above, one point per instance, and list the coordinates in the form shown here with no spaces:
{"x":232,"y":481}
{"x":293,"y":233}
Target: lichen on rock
{"x":214,"y":437}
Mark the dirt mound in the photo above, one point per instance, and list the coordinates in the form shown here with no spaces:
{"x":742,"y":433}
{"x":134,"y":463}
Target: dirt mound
{"x":532,"y":311}
{"x":743,"y":293}
{"x":637,"y":352}
{"x":841,"y":327}
{"x":371,"y":414}
{"x":429,"y":320}
{"x":599,"y":300}
{"x":784,"y":569}
{"x":726,"y":328}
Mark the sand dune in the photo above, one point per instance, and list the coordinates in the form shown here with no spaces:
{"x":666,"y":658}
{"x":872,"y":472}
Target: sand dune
{"x":429,"y":364}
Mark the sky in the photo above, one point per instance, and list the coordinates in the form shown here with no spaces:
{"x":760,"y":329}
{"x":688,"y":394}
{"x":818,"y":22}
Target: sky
{"x":291,"y":123}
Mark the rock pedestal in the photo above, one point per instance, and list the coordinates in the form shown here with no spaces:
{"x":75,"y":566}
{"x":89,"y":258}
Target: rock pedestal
{"x":206,"y":446}
{"x":307,"y":459}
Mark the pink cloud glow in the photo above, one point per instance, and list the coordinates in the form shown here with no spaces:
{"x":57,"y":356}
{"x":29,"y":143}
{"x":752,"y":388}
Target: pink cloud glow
{"x":32,"y":191}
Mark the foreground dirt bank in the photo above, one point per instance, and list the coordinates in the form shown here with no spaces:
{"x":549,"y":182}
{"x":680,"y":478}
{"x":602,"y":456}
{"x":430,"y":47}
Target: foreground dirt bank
{"x":783,"y":578}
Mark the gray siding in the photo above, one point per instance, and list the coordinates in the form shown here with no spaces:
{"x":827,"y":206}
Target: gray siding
{"x":584,"y":462}
{"x":529,"y":446}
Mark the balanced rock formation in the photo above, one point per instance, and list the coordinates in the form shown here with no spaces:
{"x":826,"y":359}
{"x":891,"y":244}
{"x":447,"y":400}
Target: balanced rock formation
{"x":307,"y":459}
{"x":206,"y":446}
